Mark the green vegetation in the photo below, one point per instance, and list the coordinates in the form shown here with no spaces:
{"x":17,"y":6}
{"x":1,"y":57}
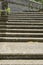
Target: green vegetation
{"x":39,"y":1}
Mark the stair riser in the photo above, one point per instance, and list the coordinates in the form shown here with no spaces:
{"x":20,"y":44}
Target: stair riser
{"x":22,"y":27}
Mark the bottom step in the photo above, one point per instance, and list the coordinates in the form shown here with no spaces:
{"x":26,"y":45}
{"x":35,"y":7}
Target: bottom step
{"x":21,"y":62}
{"x":21,"y":57}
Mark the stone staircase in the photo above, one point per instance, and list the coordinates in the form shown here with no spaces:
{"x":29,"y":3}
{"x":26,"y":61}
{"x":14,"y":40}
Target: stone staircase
{"x":22,"y":27}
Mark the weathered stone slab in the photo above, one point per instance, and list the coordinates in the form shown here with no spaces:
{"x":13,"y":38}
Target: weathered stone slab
{"x":21,"y":62}
{"x":21,"y":48}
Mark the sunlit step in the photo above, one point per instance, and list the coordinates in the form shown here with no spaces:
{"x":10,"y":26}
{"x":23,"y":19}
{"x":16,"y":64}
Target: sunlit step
{"x":24,"y":29}
{"x":22,"y":33}
{"x":10,"y":33}
{"x":28,"y":19}
{"x":21,"y":38}
{"x":24,"y":26}
{"x":21,"y":27}
{"x":21,"y":30}
{"x":24,"y":16}
{"x":29,"y":23}
{"x":22,"y":23}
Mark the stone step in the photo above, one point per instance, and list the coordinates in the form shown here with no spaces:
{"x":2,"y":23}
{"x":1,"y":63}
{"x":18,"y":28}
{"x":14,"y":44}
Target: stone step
{"x":24,"y":23}
{"x":22,"y":27}
{"x":13,"y":26}
{"x":9,"y":61}
{"x":20,"y":39}
{"x":4,"y":30}
{"x":7,"y":34}
{"x":25,"y":18}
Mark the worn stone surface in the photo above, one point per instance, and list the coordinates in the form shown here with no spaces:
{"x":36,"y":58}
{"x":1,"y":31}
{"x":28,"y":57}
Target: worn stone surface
{"x":25,"y":48}
{"x":21,"y":62}
{"x":21,"y":48}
